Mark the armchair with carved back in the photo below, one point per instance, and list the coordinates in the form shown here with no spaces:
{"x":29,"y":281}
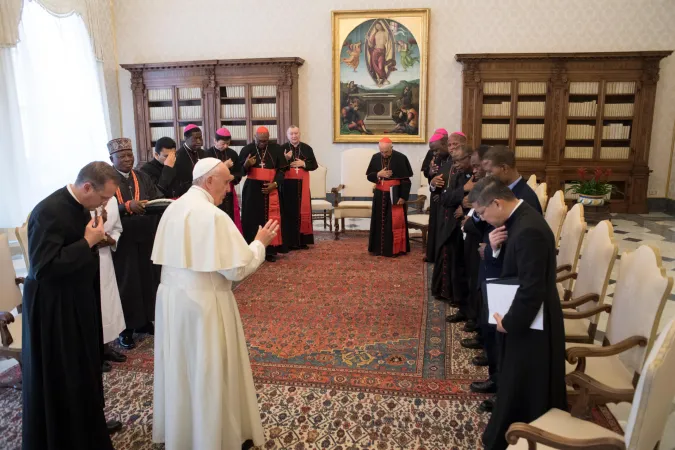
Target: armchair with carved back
{"x":10,"y":299}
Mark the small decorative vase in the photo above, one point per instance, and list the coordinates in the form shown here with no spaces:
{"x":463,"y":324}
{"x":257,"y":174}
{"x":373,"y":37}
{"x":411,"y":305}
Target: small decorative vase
{"x":591,"y":200}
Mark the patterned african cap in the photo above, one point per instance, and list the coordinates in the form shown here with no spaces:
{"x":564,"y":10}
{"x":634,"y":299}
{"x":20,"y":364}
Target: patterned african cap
{"x":118,"y":145}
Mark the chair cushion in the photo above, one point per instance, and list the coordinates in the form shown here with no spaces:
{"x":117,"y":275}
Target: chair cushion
{"x":418,"y":219}
{"x":561,"y":423}
{"x":608,"y":370}
{"x":321,"y":205}
{"x":355,"y":204}
{"x":577,"y":328}
{"x":15,"y":330}
{"x":362,"y":213}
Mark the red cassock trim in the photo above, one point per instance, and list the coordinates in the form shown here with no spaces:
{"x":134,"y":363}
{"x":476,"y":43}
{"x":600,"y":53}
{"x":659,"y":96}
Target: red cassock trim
{"x":305,"y":199}
{"x":235,"y":205}
{"x":398,"y":227}
{"x":273,"y":206}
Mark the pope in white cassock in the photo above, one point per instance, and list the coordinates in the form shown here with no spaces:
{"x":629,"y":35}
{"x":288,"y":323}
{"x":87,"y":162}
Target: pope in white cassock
{"x":204,"y":397}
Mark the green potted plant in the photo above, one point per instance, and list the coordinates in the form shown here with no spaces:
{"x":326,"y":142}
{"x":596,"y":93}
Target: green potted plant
{"x":592,"y":188}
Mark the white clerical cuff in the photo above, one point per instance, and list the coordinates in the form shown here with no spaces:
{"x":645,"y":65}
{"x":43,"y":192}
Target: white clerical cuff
{"x":495,"y":253}
{"x":432,"y":188}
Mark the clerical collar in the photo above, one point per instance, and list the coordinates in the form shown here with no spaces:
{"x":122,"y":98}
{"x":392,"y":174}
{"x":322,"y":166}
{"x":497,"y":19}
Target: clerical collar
{"x":70,"y":189}
{"x":520,"y":202}
{"x":125,"y":175}
{"x":205,"y":192}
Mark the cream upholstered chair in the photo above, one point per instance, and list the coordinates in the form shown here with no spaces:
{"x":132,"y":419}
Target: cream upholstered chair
{"x":10,"y":325}
{"x":639,"y":297}
{"x":572,"y":235}
{"x":542,"y":195}
{"x":532,"y":182}
{"x":321,"y":208}
{"x":424,"y":190}
{"x":353,"y":185}
{"x":652,"y":405}
{"x":555,"y":214}
{"x":22,"y":236}
{"x":588,"y":295}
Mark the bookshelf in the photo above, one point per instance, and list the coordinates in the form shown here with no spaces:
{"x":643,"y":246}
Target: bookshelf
{"x":564,"y":111}
{"x":240,"y":94}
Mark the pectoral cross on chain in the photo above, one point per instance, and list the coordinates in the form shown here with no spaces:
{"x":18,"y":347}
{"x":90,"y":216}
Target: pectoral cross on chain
{"x":296,"y":170}
{"x":262,"y":164}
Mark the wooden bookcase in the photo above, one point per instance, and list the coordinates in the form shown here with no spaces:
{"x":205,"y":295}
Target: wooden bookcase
{"x":240,"y":94}
{"x":564,"y":111}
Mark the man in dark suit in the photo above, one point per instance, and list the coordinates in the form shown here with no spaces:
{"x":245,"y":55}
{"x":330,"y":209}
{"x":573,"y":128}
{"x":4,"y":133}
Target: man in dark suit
{"x":186,"y":157}
{"x":499,"y":162}
{"x":532,"y":373}
{"x":161,"y":168}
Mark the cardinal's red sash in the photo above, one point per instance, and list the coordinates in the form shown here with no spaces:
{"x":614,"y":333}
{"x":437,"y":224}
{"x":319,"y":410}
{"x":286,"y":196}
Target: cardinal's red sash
{"x":305,"y":198}
{"x":398,"y":227}
{"x":273,"y":208}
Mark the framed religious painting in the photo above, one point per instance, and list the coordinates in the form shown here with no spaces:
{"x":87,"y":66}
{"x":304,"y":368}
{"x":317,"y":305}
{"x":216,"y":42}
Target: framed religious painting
{"x":380,"y":75}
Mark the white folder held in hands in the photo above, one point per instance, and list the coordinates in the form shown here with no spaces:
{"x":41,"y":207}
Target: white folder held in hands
{"x":500,"y":295}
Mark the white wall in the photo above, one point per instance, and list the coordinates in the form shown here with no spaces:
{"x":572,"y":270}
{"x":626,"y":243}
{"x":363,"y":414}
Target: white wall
{"x":175,"y":30}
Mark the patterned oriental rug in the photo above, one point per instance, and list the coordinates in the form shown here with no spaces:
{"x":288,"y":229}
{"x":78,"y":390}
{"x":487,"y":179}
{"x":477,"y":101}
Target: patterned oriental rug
{"x":349,"y":351}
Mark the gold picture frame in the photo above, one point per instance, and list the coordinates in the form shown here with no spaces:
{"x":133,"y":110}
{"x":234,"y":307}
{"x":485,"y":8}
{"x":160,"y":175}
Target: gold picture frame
{"x":380,"y":65}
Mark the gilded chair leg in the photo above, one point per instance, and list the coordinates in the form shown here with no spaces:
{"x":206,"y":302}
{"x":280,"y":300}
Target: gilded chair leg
{"x":337,"y":229}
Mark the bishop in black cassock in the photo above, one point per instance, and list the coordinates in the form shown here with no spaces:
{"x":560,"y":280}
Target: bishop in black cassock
{"x":532,"y":369}
{"x":221,"y":150}
{"x":161,"y":169}
{"x":263,"y":163}
{"x":62,"y":332}
{"x":437,"y":161}
{"x":186,"y":157}
{"x":137,"y":277}
{"x":390,"y":171}
{"x":295,"y":195}
{"x":449,"y":279}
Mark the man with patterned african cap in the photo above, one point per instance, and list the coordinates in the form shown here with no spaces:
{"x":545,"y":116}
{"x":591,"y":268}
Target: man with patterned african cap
{"x":221,"y":150}
{"x":263,"y":163}
{"x":390,"y":171}
{"x":137,"y":278}
{"x":186,"y":157}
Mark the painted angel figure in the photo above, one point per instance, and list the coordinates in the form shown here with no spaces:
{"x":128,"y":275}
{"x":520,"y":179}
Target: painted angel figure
{"x":354,"y":51}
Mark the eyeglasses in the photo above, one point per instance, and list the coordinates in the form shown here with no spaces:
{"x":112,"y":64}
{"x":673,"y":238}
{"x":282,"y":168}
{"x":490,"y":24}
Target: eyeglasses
{"x":480,"y":214}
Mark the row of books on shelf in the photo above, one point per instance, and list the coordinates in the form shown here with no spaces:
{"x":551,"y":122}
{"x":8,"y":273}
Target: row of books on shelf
{"x":583,"y":109}
{"x":584,"y":87}
{"x":533,"y":109}
{"x":238,"y":132}
{"x":605,"y":152}
{"x":235,"y":91}
{"x":529,"y":152}
{"x":160,"y":132}
{"x":160,"y":95}
{"x":532,"y":87}
{"x":619,"y":109}
{"x":616,"y":131}
{"x":264,"y":91}
{"x":575,"y":131}
{"x":190,"y":93}
{"x":495,"y":131}
{"x":497,"y":109}
{"x":233,"y":111}
{"x":190,"y":112}
{"x":530,"y":131}
{"x":161,"y":113}
{"x":620,"y":87}
{"x":264,"y":109}
{"x":497,"y":87}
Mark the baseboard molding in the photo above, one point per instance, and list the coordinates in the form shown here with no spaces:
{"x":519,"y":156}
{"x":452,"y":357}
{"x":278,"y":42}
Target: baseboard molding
{"x":658,"y":204}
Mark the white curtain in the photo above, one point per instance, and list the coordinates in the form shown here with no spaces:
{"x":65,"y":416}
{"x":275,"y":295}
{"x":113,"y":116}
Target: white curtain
{"x":51,"y":110}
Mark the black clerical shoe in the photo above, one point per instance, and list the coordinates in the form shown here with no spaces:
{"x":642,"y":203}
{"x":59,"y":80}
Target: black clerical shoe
{"x":271,"y":258}
{"x":247,"y":445}
{"x":456,"y":318}
{"x":304,"y":247}
{"x":113,"y":426}
{"x":487,"y":405}
{"x":148,"y":328}
{"x":106,"y":367}
{"x":112,"y":355}
{"x":471,"y":343}
{"x":480,"y":361}
{"x":127,"y":341}
{"x":470,"y":326}
{"x":483,"y":387}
